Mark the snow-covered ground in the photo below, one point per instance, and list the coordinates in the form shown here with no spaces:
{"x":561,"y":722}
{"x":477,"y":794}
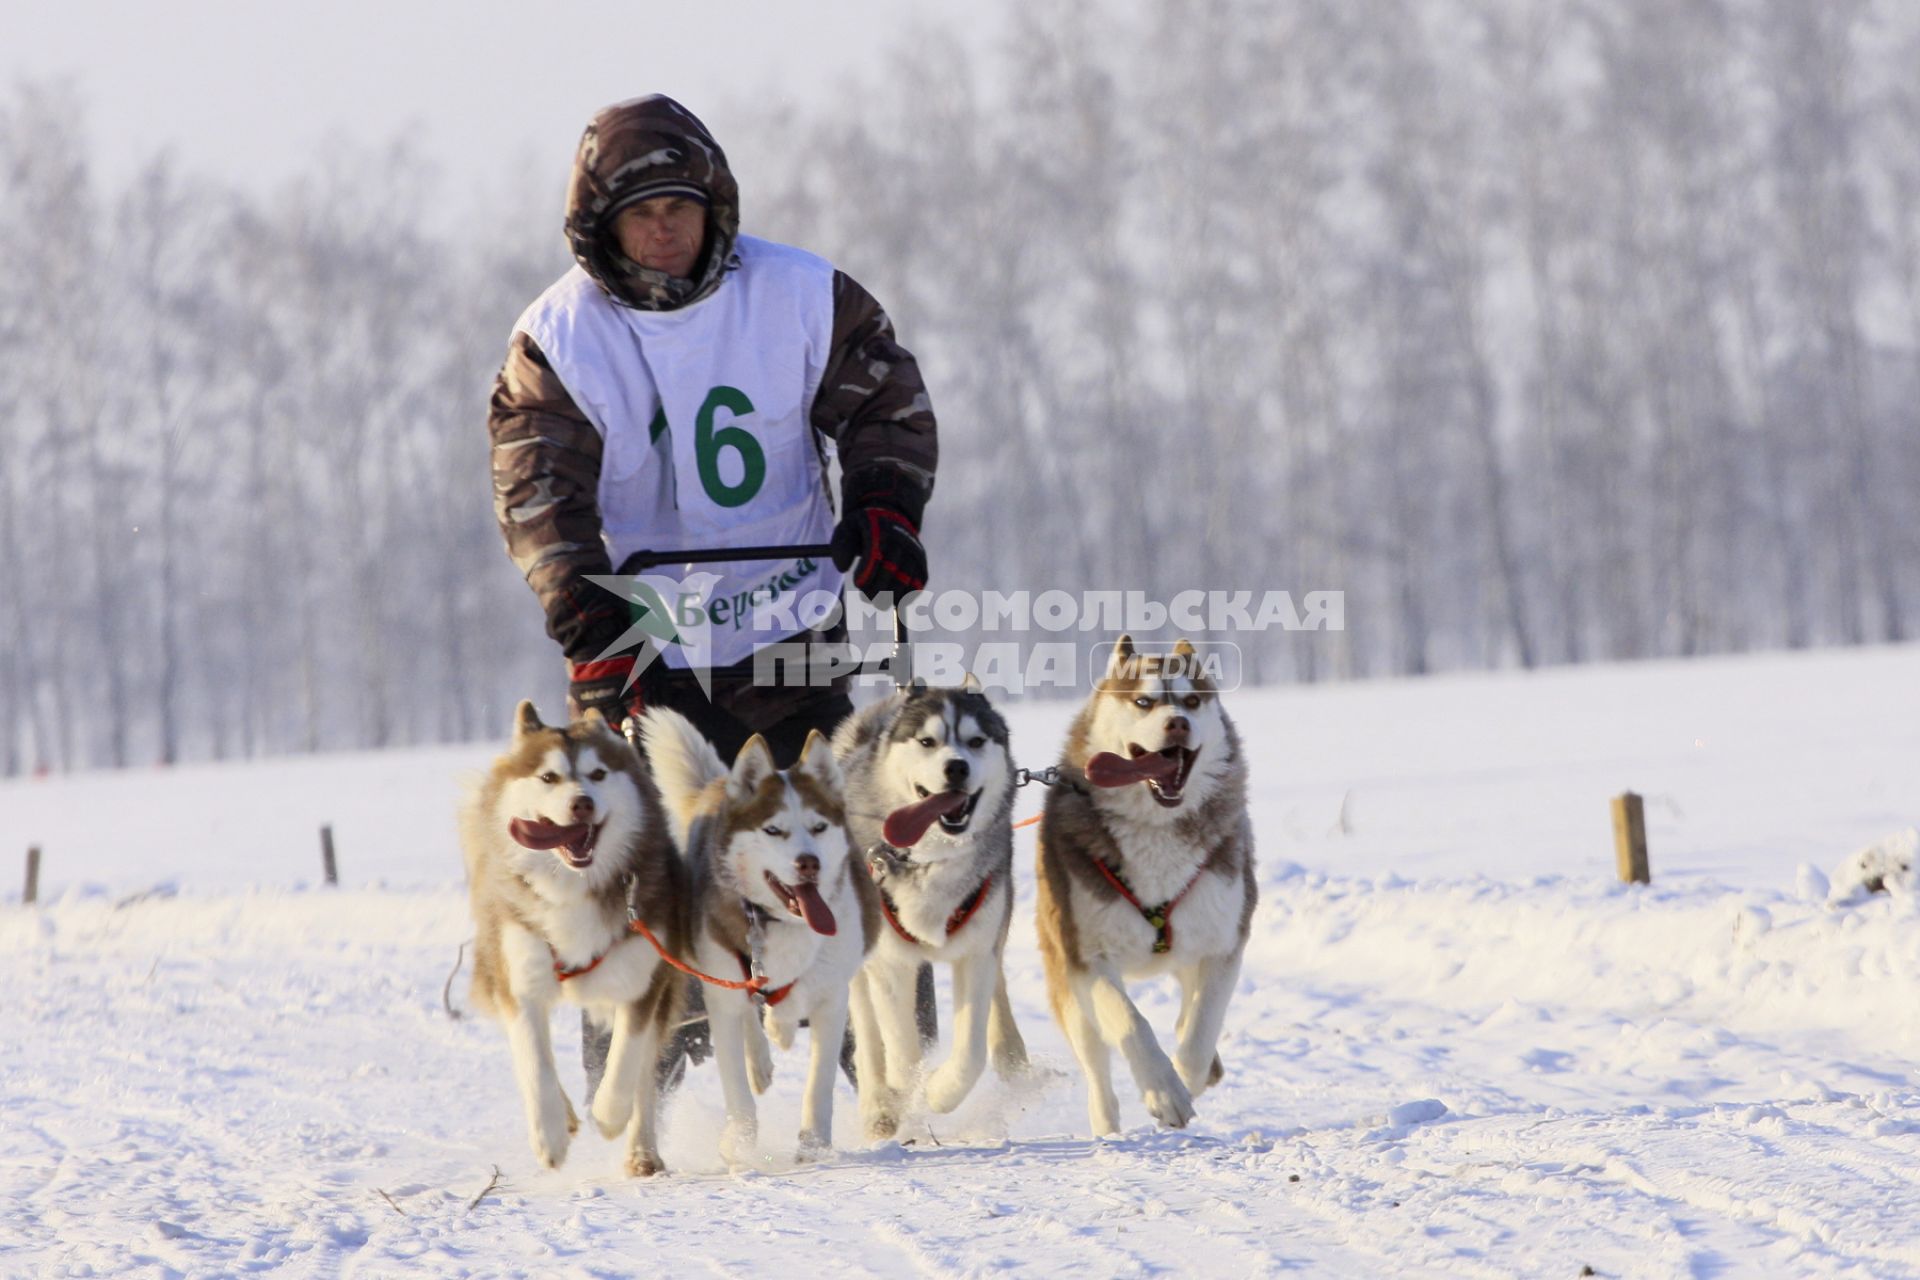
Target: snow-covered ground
{"x":1458,"y":1048}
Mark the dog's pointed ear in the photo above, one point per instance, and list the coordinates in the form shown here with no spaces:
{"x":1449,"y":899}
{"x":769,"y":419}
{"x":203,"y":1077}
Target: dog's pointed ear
{"x":971,"y":684}
{"x":882,"y":724}
{"x":526,"y":720}
{"x":750,"y":768}
{"x":1183,"y":648}
{"x":600,"y":727}
{"x":816,"y":760}
{"x":1120,"y":663}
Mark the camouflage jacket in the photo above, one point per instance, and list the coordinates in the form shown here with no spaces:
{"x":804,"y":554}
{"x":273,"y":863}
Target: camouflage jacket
{"x":546,"y":455}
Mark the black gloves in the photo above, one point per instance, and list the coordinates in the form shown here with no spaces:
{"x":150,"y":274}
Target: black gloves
{"x":880,"y":528}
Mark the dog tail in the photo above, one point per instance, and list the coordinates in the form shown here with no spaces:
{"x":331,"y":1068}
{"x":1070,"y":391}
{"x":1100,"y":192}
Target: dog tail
{"x":684,"y":763}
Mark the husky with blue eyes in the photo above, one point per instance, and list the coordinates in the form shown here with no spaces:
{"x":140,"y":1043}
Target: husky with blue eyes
{"x":1144,"y":870}
{"x":779,"y":908}
{"x":930,"y":786}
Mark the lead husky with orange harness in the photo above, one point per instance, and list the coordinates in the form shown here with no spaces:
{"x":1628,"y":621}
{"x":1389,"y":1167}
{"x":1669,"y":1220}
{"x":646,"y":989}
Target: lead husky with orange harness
{"x":776,"y":900}
{"x":566,"y":846}
{"x":1145,"y":868}
{"x":930,"y":787}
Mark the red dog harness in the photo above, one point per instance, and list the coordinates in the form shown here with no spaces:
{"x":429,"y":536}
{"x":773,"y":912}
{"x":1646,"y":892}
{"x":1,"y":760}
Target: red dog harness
{"x":772,"y":997}
{"x":752,"y":986}
{"x":955,"y":922}
{"x":1160,"y":917}
{"x":561,"y":971}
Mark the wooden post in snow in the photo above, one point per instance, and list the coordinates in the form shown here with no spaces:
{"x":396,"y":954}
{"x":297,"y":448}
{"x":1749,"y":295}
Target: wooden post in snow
{"x":33,"y":875}
{"x":327,"y":866}
{"x":1630,"y":838}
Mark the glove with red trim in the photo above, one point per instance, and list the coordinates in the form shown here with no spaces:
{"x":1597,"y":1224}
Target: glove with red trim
{"x":602,"y":684}
{"x":881,"y":530}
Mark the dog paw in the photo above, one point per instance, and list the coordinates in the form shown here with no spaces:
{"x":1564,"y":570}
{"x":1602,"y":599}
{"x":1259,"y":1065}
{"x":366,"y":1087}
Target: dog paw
{"x":611,"y":1112}
{"x":812,"y":1148}
{"x":1103,"y":1112}
{"x":1011,"y":1064}
{"x":949,"y":1085}
{"x":759,"y":1064}
{"x":550,"y":1136}
{"x":879,"y":1112}
{"x":1201,"y":1076}
{"x":644,"y":1164}
{"x":1170,"y":1103}
{"x":738,"y":1141}
{"x":780,"y":1031}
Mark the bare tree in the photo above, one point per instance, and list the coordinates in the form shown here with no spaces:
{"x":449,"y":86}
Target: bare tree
{"x":1548,"y":330}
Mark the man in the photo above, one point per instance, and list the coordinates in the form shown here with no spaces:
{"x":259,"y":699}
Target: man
{"x":682,"y":387}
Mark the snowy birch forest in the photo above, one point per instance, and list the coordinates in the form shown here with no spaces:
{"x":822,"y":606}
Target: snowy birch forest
{"x":1550,"y":331}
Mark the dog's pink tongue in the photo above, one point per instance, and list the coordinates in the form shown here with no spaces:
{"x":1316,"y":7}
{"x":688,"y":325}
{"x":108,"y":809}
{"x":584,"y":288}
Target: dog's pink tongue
{"x":541,"y":834}
{"x":1110,"y":770}
{"x":904,"y":826}
{"x":814,"y":908}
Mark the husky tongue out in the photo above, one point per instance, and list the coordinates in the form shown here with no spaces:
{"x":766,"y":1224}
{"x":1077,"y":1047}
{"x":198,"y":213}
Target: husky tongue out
{"x":1111,"y":770}
{"x":804,"y":900}
{"x":905,"y":826}
{"x":575,"y":842}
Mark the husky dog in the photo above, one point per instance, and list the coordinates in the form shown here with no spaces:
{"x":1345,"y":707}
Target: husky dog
{"x":563,"y":839}
{"x":775,"y":897}
{"x":1145,"y":867}
{"x":930,"y":807}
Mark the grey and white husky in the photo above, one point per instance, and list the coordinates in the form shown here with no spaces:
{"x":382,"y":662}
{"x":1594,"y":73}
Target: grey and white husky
{"x":1145,"y":868}
{"x":562,"y":836}
{"x":930,"y":785}
{"x":774,"y":895}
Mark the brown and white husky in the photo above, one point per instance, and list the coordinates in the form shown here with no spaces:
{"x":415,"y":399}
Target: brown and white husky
{"x":561,"y":838}
{"x":775,"y":896}
{"x":1145,"y":868}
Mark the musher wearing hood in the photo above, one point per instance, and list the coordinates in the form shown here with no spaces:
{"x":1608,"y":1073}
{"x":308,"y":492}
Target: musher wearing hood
{"x":642,"y":410}
{"x":682,"y":387}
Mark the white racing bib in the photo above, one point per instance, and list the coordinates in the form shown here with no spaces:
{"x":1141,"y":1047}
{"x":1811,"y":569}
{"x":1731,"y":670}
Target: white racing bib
{"x":704,"y":415}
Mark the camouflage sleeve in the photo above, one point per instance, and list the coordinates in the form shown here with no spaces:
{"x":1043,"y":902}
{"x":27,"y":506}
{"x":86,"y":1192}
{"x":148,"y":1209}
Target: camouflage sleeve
{"x":546,"y":477}
{"x":872,"y":402}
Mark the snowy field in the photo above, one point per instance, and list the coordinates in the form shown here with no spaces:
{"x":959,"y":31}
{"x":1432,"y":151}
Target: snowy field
{"x":1458,"y":1049}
